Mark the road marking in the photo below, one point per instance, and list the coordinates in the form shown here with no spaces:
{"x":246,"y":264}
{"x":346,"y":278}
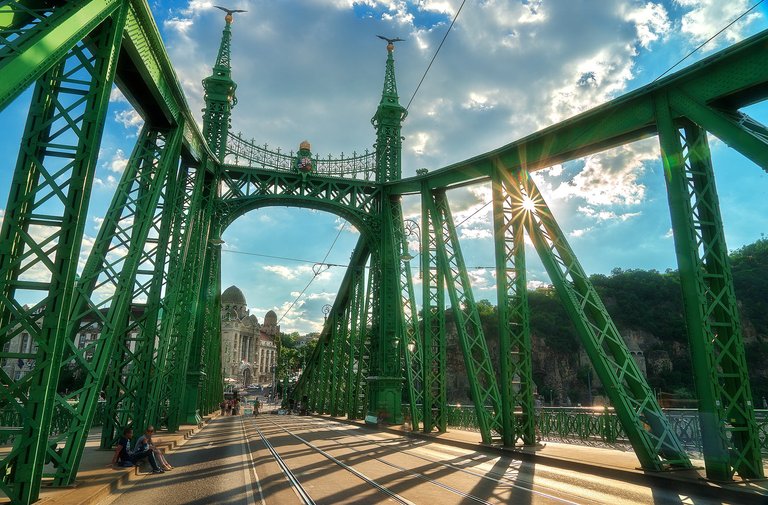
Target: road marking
{"x":251,"y":476}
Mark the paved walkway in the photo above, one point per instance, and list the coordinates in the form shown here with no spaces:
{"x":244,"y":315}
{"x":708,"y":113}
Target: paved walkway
{"x":96,"y":480}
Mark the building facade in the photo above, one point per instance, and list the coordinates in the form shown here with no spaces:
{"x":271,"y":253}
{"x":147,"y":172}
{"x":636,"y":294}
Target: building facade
{"x":248,"y":348}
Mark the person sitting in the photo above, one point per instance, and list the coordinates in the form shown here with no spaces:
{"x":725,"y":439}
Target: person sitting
{"x":124,"y":457}
{"x":145,"y":442}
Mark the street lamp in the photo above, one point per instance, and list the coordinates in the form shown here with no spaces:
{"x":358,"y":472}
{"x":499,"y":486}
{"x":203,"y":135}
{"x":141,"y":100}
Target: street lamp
{"x":411,"y":228}
{"x":326,"y":310}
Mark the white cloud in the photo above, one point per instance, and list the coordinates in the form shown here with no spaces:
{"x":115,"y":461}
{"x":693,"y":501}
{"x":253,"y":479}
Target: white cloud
{"x":118,"y":162}
{"x":130,"y":119}
{"x":707,"y":17}
{"x":651,"y":21}
{"x":612,"y":177}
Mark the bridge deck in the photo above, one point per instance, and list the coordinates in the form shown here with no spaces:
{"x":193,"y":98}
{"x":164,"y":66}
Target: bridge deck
{"x":228,"y":461}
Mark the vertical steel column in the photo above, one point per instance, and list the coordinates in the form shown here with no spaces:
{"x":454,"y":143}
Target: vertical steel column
{"x":657,"y":448}
{"x":40,"y":238}
{"x":385,"y":379}
{"x":179,"y":294}
{"x":435,"y":404}
{"x":482,"y":378}
{"x":514,"y":316}
{"x":730,"y":435}
{"x":410,"y":343}
{"x":364,"y":364}
{"x":356,"y":332}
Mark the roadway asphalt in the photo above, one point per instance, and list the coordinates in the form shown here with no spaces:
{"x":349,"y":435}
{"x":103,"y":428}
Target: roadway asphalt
{"x":273,"y":459}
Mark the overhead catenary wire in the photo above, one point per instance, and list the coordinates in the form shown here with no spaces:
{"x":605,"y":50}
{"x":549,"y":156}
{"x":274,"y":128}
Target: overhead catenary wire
{"x":435,"y":55}
{"x":709,"y":39}
{"x":315,"y":272}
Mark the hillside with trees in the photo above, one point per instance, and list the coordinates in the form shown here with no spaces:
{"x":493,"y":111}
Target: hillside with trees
{"x":646,"y":306}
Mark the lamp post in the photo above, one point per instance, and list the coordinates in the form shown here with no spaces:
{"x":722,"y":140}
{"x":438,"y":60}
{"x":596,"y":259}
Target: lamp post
{"x":326,"y":310}
{"x":411,"y":228}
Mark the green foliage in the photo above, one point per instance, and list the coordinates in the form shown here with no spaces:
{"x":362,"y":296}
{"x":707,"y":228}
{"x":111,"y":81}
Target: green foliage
{"x":646,"y":304}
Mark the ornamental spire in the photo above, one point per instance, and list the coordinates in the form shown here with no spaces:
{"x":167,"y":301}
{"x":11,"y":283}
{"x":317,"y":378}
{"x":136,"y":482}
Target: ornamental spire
{"x":388,"y":122}
{"x":220,"y":93}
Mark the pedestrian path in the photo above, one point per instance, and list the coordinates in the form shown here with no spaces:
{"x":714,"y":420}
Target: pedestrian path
{"x":97,"y":480}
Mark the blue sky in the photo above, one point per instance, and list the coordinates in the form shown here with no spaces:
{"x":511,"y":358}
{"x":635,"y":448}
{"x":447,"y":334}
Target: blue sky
{"x":313,"y":69}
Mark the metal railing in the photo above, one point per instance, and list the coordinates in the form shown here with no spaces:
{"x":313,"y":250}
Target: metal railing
{"x":245,"y":153}
{"x":600,"y":425}
{"x":62,"y":417}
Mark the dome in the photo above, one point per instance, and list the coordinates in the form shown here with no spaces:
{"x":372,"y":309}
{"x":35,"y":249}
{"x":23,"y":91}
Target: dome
{"x":270,"y":318}
{"x":233,"y":295}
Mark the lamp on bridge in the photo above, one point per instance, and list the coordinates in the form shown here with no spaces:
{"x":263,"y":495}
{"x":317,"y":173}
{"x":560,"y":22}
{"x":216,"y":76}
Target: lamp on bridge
{"x":411,"y":228}
{"x":326,"y":311}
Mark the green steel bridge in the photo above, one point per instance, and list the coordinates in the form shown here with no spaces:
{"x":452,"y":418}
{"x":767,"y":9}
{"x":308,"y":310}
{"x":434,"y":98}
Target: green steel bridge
{"x":159,"y":247}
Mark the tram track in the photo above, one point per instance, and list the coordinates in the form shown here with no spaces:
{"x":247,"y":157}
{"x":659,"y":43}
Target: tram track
{"x":403,"y":470}
{"x":501,"y":479}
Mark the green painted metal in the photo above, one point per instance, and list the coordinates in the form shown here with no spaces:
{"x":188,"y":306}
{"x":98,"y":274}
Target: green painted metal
{"x":411,"y":342}
{"x":516,"y":373}
{"x":433,"y":325}
{"x":367,"y":355}
{"x":658,"y":447}
{"x":726,"y":410}
{"x":219,"y":96}
{"x":44,"y":36}
{"x":482,"y":377}
{"x":132,"y":215}
{"x":41,"y":233}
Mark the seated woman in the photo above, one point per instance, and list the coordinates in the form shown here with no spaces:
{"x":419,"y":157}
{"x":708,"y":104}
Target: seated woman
{"x":145,"y":443}
{"x":125,"y":457}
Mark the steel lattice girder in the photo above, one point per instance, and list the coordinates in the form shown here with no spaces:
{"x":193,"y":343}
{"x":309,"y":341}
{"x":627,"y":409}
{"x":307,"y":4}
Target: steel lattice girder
{"x":482,"y":378}
{"x":41,"y":233}
{"x":435,"y":407}
{"x":410,"y":340}
{"x":127,"y":224}
{"x":177,"y":297}
{"x":657,"y":447}
{"x":730,"y":435}
{"x":129,"y":227}
{"x":514,"y":316}
{"x":37,"y":39}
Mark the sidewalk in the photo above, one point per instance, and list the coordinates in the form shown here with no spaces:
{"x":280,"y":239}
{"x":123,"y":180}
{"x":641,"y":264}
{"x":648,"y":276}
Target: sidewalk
{"x":96,"y":480}
{"x":607,"y":462}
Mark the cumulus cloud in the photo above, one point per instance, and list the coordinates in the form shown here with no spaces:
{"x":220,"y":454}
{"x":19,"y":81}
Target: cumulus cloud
{"x":130,"y":119}
{"x":707,"y":17}
{"x":118,"y":162}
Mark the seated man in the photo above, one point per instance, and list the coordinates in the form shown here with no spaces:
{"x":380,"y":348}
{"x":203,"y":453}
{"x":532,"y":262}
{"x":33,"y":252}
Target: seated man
{"x":125,"y":457}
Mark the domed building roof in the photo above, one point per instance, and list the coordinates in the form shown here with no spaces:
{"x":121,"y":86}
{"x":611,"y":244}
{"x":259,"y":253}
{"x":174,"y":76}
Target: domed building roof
{"x":233,"y":296}
{"x":270,"y":318}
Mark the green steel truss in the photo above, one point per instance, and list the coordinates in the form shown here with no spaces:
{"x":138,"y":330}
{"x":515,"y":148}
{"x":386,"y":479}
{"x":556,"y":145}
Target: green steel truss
{"x":477,"y":361}
{"x":631,"y":396}
{"x":152,"y":279}
{"x":435,"y":404}
{"x":730,"y":435}
{"x":514,"y":319}
{"x":41,"y":235}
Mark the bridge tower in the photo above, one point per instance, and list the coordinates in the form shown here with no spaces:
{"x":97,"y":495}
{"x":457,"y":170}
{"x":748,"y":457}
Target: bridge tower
{"x":385,"y":379}
{"x":220,"y":95}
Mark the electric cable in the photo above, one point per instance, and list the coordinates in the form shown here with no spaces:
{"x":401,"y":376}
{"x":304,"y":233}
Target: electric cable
{"x":435,"y":55}
{"x":709,"y":39}
{"x":315,"y":272}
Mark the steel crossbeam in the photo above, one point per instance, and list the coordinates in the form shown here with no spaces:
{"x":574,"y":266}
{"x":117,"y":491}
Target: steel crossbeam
{"x":730,"y":436}
{"x":657,"y":447}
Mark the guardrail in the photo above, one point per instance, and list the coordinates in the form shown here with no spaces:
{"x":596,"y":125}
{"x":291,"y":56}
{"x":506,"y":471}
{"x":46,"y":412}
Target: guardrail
{"x":245,"y":153}
{"x":600,"y":425}
{"x":61,"y":420}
